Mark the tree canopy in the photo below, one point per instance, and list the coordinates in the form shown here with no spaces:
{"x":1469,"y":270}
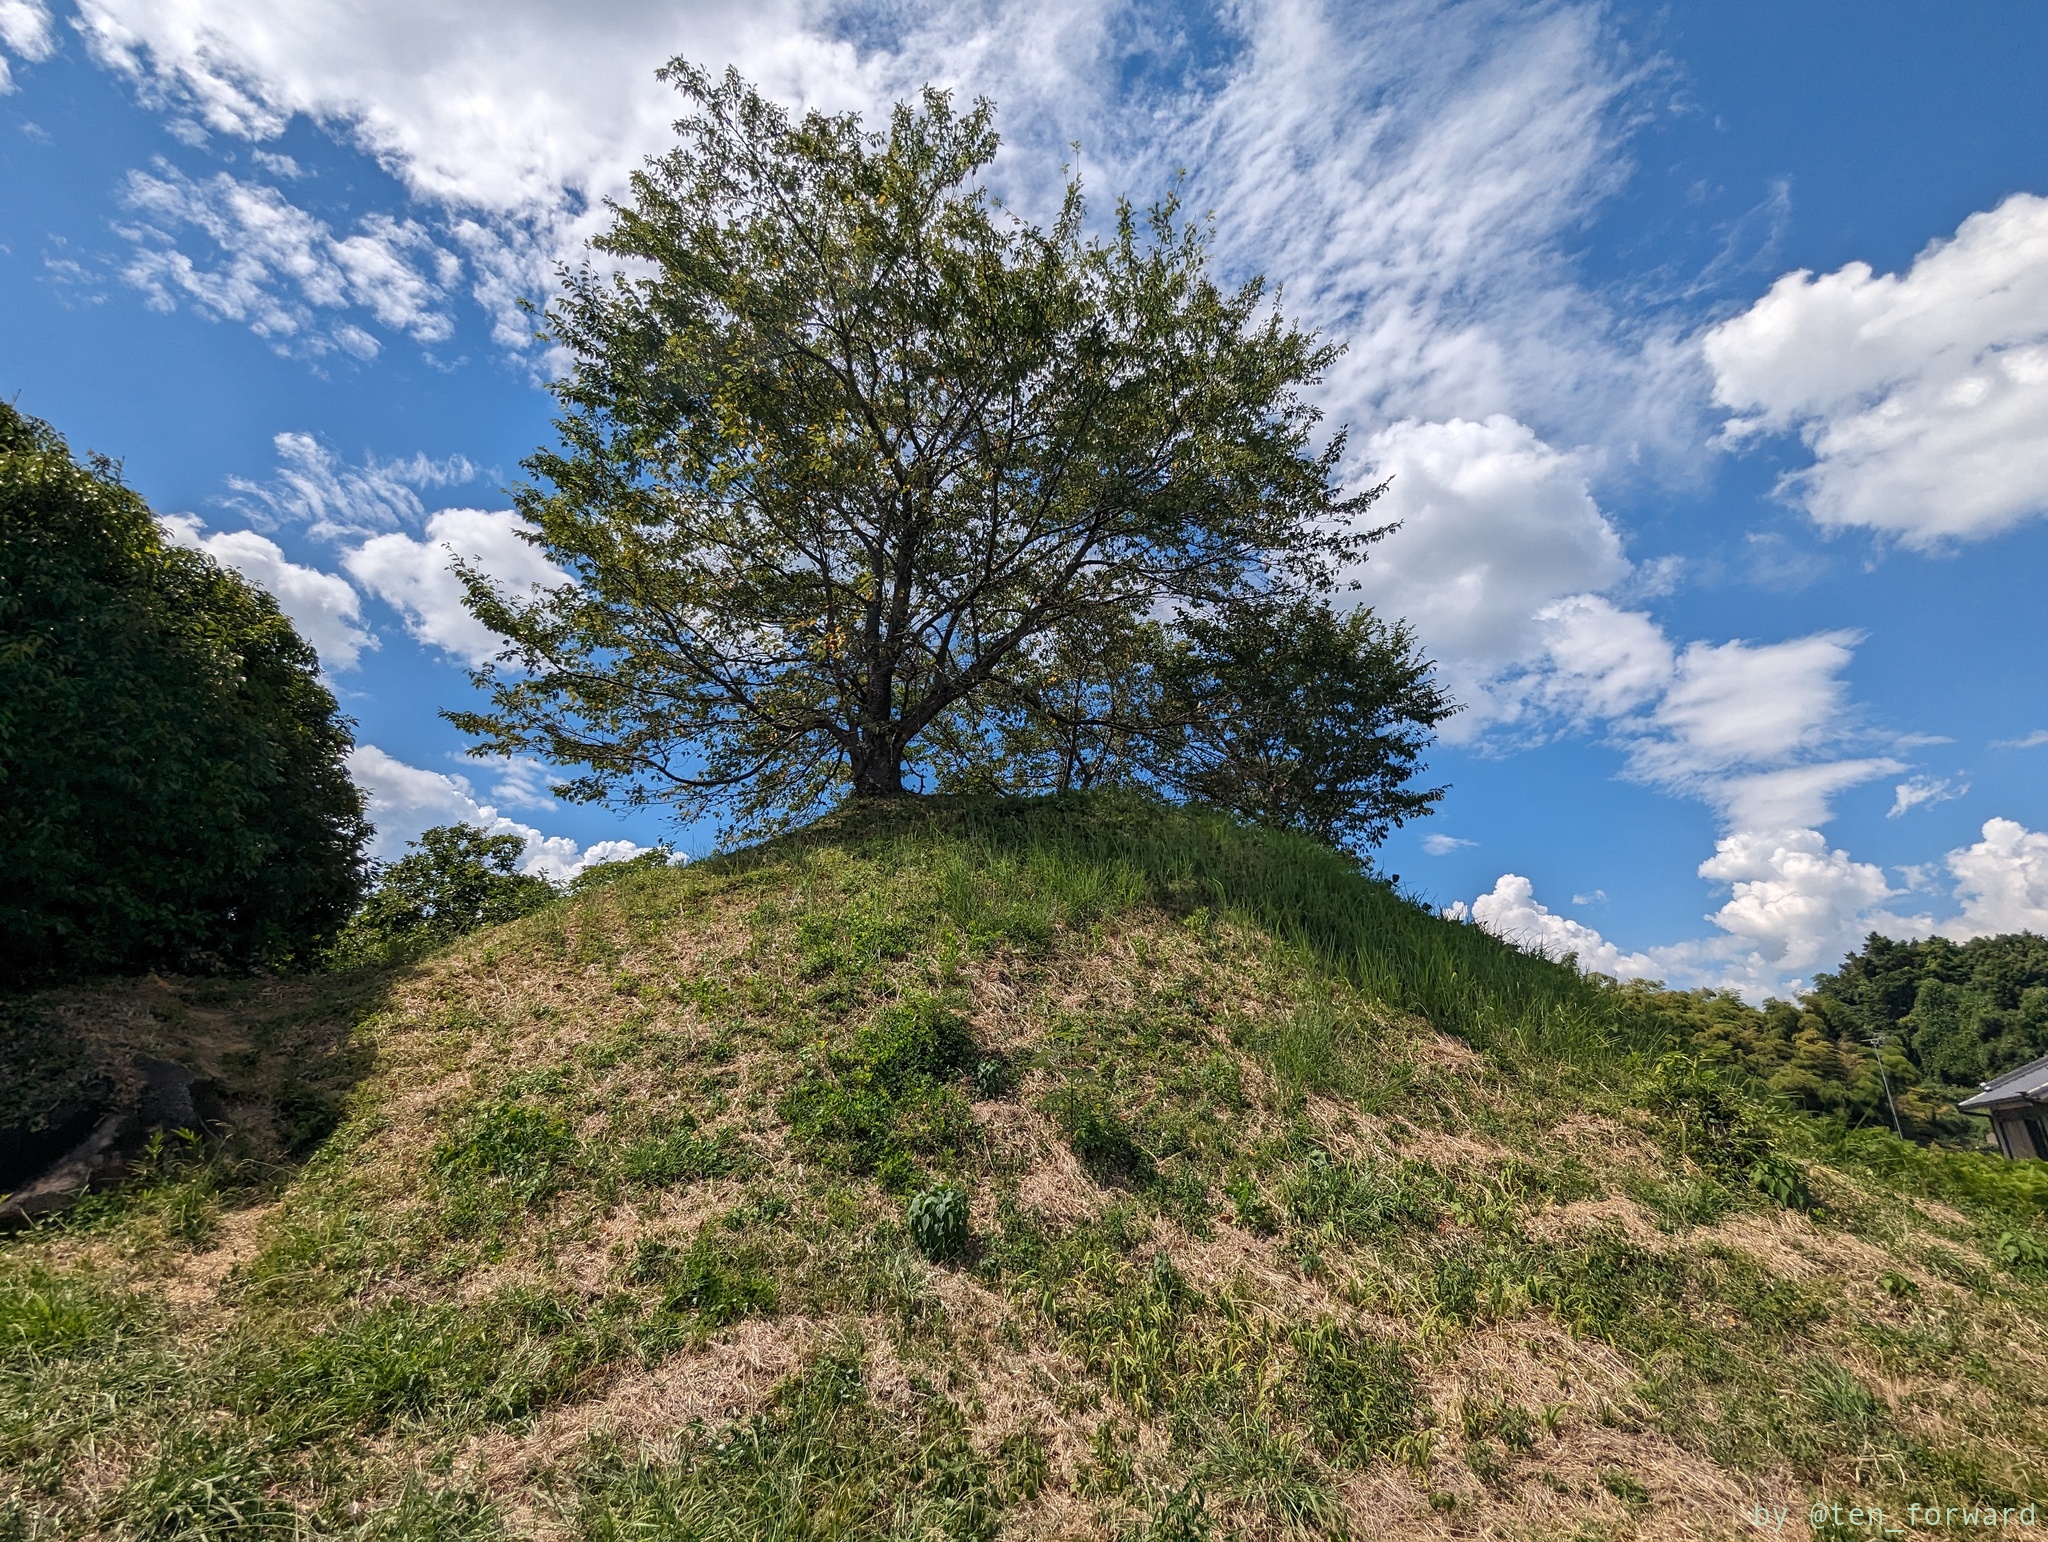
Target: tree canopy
{"x":863,"y":482}
{"x":450,"y":881}
{"x":1965,"y":1012}
{"x":171,"y":764}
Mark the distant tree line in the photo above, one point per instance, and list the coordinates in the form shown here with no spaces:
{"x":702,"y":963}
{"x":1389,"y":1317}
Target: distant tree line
{"x":1935,"y":1019}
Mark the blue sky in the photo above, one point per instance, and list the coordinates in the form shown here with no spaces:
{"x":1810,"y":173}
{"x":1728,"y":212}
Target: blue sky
{"x":1707,"y":346}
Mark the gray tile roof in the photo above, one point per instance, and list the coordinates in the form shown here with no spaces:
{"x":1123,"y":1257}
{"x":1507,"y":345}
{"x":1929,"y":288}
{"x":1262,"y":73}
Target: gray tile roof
{"x":2027,"y":1083}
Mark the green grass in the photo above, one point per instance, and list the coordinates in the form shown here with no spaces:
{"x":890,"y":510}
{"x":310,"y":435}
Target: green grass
{"x":949,"y":1169}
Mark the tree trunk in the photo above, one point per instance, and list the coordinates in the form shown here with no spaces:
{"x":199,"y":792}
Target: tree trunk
{"x":879,"y":774}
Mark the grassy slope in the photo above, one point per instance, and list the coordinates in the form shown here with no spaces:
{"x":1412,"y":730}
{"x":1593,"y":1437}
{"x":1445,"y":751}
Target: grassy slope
{"x":599,"y":1231}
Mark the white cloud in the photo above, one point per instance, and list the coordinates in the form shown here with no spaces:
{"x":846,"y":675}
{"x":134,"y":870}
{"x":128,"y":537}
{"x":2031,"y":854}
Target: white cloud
{"x":1794,"y":796}
{"x":1438,"y":844}
{"x":1795,"y":903}
{"x":2032,"y":741}
{"x":26,"y":33}
{"x":1737,"y":703}
{"x":405,"y":800}
{"x":1918,"y":791}
{"x":2002,"y":882}
{"x":1794,"y":906}
{"x":1597,"y":897}
{"x":274,"y":266}
{"x":1496,"y":526}
{"x":416,"y":577}
{"x":323,"y":607}
{"x":1603,"y":662}
{"x":525,"y":783}
{"x":1512,"y":913}
{"x":1923,"y":395}
{"x":502,"y":107}
{"x":314,"y":486}
{"x":524,"y":114}
{"x":1417,"y":172}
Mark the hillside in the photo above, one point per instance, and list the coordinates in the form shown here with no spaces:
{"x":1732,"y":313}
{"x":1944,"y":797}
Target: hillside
{"x":1292,"y":1210}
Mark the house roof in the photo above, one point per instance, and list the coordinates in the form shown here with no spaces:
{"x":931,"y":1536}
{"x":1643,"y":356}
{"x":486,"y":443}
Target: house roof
{"x":2024,"y":1084}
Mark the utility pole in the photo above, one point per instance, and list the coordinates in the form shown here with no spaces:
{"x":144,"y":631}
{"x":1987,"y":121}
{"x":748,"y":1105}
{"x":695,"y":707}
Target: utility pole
{"x":1877,"y":1041}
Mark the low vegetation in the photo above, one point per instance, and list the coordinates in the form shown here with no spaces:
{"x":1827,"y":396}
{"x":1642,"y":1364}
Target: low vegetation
{"x":1078,"y":1167}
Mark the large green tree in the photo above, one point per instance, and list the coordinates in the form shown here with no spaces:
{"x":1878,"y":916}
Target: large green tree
{"x":860,"y":477}
{"x":171,"y":766}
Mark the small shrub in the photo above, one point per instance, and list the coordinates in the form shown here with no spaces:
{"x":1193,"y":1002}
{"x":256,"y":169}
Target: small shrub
{"x":1712,"y":1122}
{"x":892,"y":1099}
{"x":938,"y":1222}
{"x":994,"y":1077}
{"x":1254,"y":1211}
{"x":2021,"y":1249}
{"x":918,"y":1041}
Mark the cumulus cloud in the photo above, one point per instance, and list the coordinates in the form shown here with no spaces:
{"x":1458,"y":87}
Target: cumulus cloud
{"x":1795,"y":903}
{"x":323,"y":606}
{"x":2002,"y":882}
{"x":417,"y":577}
{"x":1511,"y":911}
{"x":405,"y":800}
{"x":1923,"y":395}
{"x":276,"y":268}
{"x":1602,"y":662}
{"x":1495,"y":525}
{"x":313,"y":486}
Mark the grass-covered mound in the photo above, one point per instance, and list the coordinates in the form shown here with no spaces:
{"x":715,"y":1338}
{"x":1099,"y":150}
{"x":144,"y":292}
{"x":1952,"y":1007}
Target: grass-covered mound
{"x":1074,"y":1168}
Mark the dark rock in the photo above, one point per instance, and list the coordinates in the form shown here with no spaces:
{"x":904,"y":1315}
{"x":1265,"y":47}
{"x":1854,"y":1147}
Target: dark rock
{"x":94,"y":1144}
{"x":31,"y":1144}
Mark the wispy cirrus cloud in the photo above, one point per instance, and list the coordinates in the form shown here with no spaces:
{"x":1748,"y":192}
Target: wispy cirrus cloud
{"x":314,"y":486}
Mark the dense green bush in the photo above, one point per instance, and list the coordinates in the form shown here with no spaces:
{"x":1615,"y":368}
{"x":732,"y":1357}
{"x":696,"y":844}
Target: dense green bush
{"x":450,"y":881}
{"x":172,"y":765}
